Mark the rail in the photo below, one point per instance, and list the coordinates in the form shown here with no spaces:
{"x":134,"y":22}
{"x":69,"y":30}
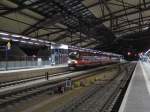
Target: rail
{"x":12,"y":83}
{"x":107,"y":92}
{"x":12,"y":96}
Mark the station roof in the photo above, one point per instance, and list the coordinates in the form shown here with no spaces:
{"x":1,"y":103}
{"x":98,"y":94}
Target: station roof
{"x":101,"y":24}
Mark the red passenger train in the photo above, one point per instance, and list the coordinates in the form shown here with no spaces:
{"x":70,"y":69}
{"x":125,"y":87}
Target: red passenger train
{"x":81,"y":57}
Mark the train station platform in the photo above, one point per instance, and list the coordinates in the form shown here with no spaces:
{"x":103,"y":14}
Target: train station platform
{"x":18,"y":65}
{"x":35,"y":68}
{"x":19,"y":74}
{"x":137,"y":97}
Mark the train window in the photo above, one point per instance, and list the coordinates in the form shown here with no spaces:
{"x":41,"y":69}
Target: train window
{"x":74,"y":55}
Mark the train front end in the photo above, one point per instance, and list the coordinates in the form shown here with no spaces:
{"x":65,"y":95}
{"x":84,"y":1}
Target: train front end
{"x":73,"y":60}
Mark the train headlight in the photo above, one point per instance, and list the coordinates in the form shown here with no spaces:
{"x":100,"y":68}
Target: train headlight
{"x":75,"y":61}
{"x":69,"y":61}
{"x":72,"y":61}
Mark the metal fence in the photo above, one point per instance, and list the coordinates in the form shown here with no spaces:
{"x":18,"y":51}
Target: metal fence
{"x":32,"y":61}
{"x":21,"y":64}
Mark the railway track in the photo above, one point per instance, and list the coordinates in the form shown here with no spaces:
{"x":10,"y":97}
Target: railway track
{"x":27,"y":80}
{"x":112,"y":104}
{"x":15,"y":95}
{"x":101,"y":97}
{"x":19,"y":94}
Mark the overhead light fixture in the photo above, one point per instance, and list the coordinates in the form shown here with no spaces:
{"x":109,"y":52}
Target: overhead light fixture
{"x":4,"y":38}
{"x":145,"y":28}
{"x":23,"y":41}
{"x":47,"y":42}
{"x":63,"y":46}
{"x":15,"y":40}
{"x":41,"y":40}
{"x":2,"y":33}
{"x":25,"y":37}
{"x":36,"y":43}
{"x":33,"y":39}
{"x":30,"y":42}
{"x":53,"y":43}
{"x":16,"y":35}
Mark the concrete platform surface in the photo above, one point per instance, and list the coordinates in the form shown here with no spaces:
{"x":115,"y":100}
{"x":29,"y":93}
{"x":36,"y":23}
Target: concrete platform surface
{"x":32,"y":72}
{"x":36,"y":68}
{"x":137,"y":97}
{"x":51,"y":79}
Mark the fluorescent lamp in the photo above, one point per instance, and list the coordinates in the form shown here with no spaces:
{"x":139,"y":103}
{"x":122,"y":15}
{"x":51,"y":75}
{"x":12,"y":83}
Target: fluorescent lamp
{"x":53,"y":43}
{"x":16,"y":35}
{"x":33,"y":39}
{"x":62,"y":46}
{"x":47,"y":42}
{"x":2,"y":33}
{"x":36,"y":43}
{"x":145,"y":28}
{"x":23,"y":41}
{"x":41,"y":40}
{"x":4,"y":38}
{"x":30,"y":42}
{"x":25,"y":37}
{"x":15,"y":40}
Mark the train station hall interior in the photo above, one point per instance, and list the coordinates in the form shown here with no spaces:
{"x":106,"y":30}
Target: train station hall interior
{"x":74,"y":55}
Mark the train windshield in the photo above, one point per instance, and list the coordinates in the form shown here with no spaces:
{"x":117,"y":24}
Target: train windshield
{"x":74,"y":55}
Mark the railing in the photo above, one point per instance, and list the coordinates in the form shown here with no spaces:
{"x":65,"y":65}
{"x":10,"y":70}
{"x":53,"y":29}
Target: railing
{"x":22,"y":64}
{"x":31,"y":62}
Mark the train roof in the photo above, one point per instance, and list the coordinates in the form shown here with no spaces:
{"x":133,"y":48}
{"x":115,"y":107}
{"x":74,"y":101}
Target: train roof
{"x":94,"y":51}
